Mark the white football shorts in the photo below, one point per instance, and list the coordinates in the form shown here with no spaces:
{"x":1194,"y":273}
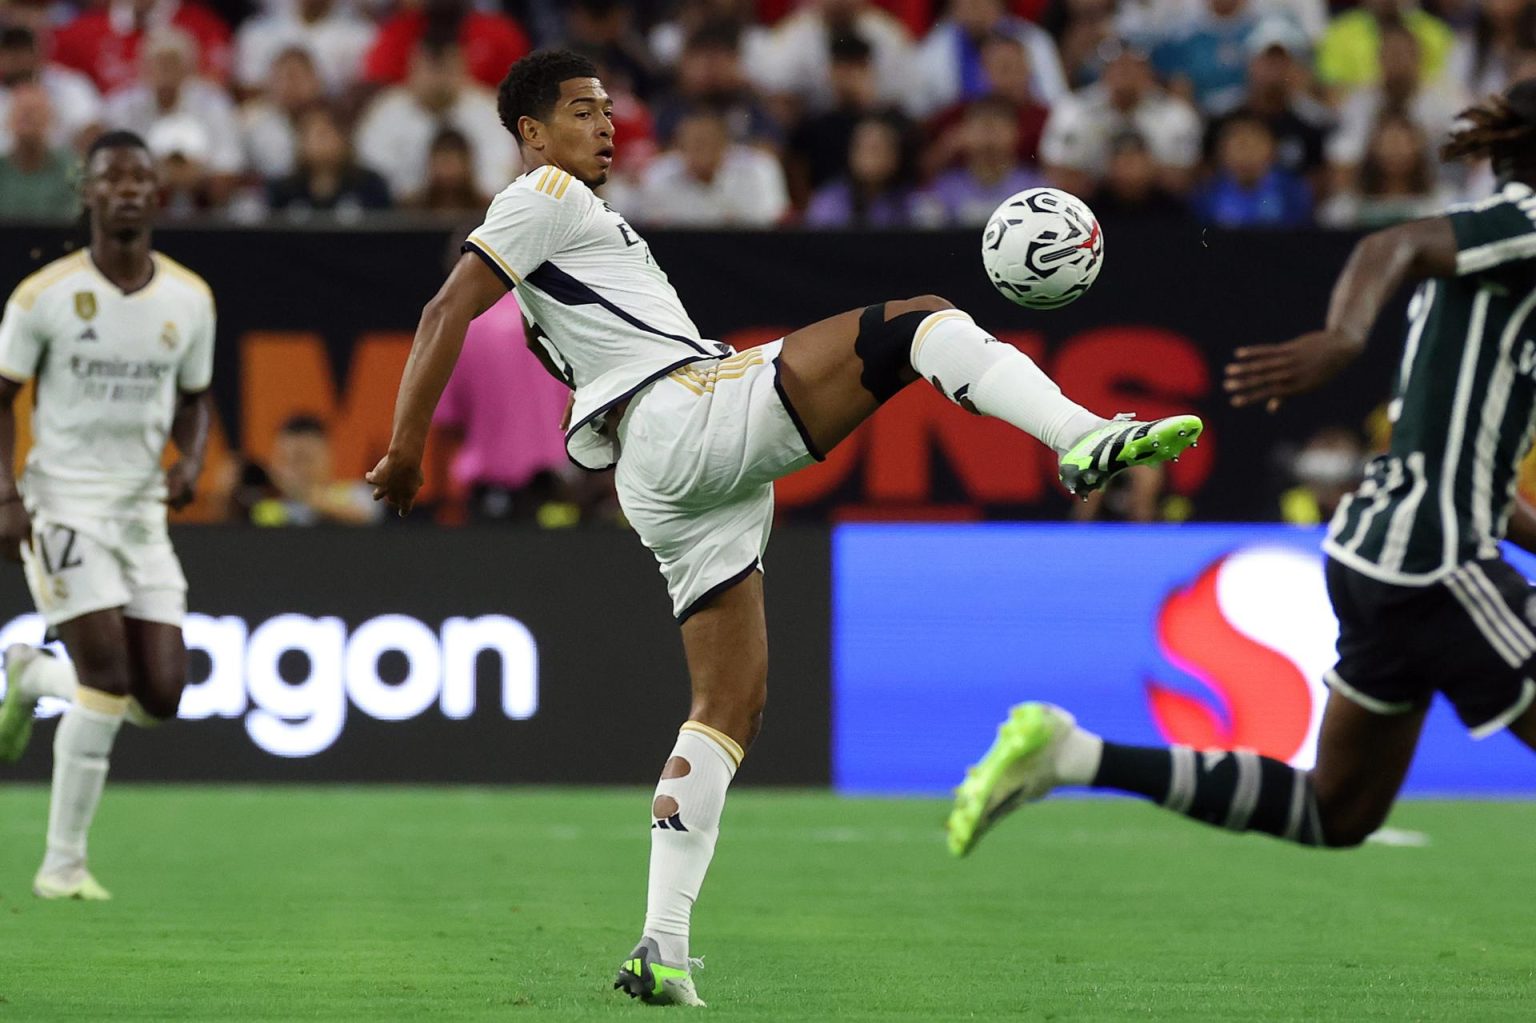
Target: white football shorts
{"x":699,"y":450}
{"x":77,"y":564}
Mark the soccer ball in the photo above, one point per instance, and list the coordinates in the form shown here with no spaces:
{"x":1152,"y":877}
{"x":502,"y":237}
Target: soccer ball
{"x":1042,"y":248}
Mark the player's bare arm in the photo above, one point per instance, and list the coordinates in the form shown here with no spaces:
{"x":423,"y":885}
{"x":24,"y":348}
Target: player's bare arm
{"x":15,"y":525}
{"x":189,"y":432}
{"x":1380,"y":264}
{"x":470,"y":290}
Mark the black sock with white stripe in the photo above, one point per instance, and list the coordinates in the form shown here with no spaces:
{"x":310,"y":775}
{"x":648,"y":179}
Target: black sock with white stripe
{"x":1240,"y":791}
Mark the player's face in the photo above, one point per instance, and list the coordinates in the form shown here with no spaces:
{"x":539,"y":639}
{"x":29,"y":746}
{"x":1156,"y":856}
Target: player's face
{"x":579,"y":132}
{"x":121,"y":189}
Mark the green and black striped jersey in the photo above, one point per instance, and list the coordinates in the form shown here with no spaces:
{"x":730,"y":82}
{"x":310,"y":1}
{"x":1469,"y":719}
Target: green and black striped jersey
{"x":1462,"y":408}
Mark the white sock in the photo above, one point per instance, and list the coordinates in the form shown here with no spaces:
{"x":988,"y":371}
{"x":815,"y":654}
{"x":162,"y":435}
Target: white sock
{"x":81,"y":748}
{"x":685,"y":822}
{"x":47,"y":675}
{"x":1081,"y":752}
{"x":982,"y":374}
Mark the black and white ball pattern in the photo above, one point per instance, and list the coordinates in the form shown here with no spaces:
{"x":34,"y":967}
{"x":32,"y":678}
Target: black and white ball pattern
{"x":1042,"y":248}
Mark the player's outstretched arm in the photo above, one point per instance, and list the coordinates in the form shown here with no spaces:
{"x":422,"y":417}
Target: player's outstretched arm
{"x":15,"y":526}
{"x":1380,"y":264}
{"x":189,"y":431}
{"x":470,"y":290}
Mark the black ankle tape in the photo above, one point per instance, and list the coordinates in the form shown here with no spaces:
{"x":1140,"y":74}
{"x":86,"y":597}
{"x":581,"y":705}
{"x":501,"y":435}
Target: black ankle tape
{"x":885,"y":348}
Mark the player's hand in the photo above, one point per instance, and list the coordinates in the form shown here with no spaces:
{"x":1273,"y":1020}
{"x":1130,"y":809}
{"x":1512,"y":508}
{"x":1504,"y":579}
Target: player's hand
{"x":181,"y":484}
{"x":1272,"y":373}
{"x":395,"y":480}
{"x":15,"y":528}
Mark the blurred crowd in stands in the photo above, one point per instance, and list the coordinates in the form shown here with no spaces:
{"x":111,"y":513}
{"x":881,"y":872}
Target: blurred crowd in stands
{"x":827,"y":113}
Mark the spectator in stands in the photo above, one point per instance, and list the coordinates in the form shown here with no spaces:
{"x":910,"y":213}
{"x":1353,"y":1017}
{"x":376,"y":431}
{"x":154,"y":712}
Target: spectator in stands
{"x":1131,"y":189}
{"x":36,"y":177}
{"x":182,"y":150}
{"x":74,"y":101}
{"x":706,"y":180}
{"x":308,"y":492}
{"x":1005,"y":63}
{"x":506,"y":410}
{"x":1162,"y":19}
{"x":604,"y":31}
{"x":326,"y":178}
{"x":489,"y":43}
{"x":1396,"y":181}
{"x":1250,"y":188}
{"x":1349,"y":55}
{"x":950,"y":58}
{"x":669,"y":36}
{"x":710,"y":72}
{"x":333,"y":35}
{"x":450,"y":184}
{"x":1486,"y":57}
{"x":876,"y":190}
{"x":396,"y":132}
{"x":818,"y":148}
{"x":796,"y":60}
{"x":104,"y":43}
{"x":1075,"y":146}
{"x":966,"y":196}
{"x":269,"y":124}
{"x":168,"y":88}
{"x":1085,"y":32}
{"x":1434,"y":107}
{"x":1277,"y":93}
{"x":1206,"y":62}
{"x":1328,"y":467}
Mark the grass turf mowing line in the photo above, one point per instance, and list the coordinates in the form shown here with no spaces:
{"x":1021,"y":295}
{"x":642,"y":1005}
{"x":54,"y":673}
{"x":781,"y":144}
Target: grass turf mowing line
{"x":405,"y":904}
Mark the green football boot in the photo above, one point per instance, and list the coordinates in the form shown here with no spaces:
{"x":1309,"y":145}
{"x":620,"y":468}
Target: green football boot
{"x":17,"y":707}
{"x":646,"y":977}
{"x":1019,"y":768}
{"x":1124,"y":442}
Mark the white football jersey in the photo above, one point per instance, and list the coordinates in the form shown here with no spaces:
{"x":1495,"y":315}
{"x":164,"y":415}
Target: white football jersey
{"x":108,"y":368}
{"x":612,"y":319}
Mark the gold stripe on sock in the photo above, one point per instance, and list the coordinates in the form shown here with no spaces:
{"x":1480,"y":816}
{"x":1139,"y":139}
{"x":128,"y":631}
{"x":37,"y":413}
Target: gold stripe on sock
{"x":731,"y":746}
{"x":100,"y":702}
{"x":933,"y":321}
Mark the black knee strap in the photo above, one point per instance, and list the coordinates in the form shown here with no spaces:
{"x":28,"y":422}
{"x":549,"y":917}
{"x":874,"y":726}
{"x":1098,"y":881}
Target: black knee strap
{"x":885,"y":348}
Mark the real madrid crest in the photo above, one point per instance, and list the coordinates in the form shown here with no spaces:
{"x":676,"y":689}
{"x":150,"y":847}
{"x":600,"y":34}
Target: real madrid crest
{"x":169,"y":337}
{"x":85,"y":304}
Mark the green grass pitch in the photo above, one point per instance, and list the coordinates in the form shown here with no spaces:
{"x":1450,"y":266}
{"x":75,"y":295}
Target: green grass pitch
{"x":412,"y":904}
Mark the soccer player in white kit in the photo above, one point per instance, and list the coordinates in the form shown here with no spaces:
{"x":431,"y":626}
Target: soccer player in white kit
{"x":699,"y":433}
{"x":119,"y":340}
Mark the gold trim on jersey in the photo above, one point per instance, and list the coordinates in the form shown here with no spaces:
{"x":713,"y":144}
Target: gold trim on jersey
{"x":177,"y":270}
{"x":481,"y":245}
{"x":32,"y":286}
{"x":553,"y":182}
{"x":702,"y":381}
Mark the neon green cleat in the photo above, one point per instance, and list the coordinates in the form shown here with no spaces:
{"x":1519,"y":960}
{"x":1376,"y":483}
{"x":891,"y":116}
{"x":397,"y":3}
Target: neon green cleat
{"x":1019,"y":768}
{"x":74,"y":884}
{"x":1124,"y":442}
{"x":17,"y":708}
{"x":646,"y":977}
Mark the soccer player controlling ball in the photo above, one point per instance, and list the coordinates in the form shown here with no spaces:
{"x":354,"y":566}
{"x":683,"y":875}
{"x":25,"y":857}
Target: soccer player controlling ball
{"x":1425,"y":601}
{"x":699,"y":433}
{"x":119,"y":340}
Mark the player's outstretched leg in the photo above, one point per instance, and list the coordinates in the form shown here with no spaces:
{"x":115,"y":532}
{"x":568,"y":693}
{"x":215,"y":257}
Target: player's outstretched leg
{"x":726,"y":643}
{"x":1362,"y":760}
{"x":31,"y":673}
{"x":835,"y":373}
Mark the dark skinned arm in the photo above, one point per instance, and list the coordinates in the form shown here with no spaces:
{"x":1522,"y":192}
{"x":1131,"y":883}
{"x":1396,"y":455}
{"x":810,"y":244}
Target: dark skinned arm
{"x":189,"y":432}
{"x":470,"y":290}
{"x":1379,"y":265}
{"x":1522,"y":528}
{"x":15,"y":525}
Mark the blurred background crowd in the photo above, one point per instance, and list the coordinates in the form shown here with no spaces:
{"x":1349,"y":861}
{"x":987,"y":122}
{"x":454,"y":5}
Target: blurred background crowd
{"x":826,"y":113}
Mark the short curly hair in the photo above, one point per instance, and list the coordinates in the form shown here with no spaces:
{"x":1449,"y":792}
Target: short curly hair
{"x":532,"y":85}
